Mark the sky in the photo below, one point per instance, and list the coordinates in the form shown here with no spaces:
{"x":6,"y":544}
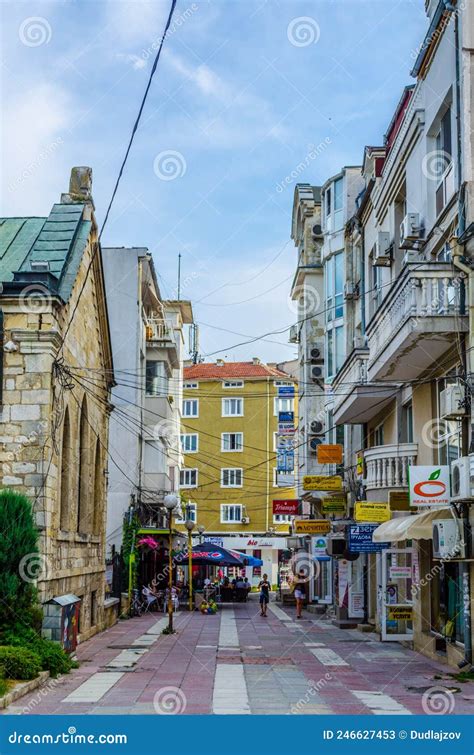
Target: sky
{"x":245,"y":91}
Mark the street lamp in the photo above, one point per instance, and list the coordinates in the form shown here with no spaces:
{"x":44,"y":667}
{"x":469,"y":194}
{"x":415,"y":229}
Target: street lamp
{"x":201,"y":530}
{"x":171,"y":501}
{"x":189,"y":524}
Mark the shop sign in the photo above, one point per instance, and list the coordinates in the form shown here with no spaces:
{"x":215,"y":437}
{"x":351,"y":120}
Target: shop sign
{"x":329,"y":453}
{"x":429,"y":486}
{"x":356,"y":605}
{"x":400,"y":613}
{"x":286,"y":428}
{"x":312,"y":526}
{"x":214,"y":541}
{"x":398,"y":500}
{"x":318,"y":549}
{"x":286,"y":416}
{"x":334,"y":504}
{"x":285,"y":442}
{"x":321,"y":482}
{"x":368,"y":511}
{"x":360,"y":539}
{"x":286,"y":390}
{"x":285,"y":480}
{"x":286,"y":506}
{"x":285,"y":460}
{"x":399,"y":572}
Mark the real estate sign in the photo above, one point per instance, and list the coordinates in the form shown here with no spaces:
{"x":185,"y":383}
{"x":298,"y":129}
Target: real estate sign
{"x":429,"y":486}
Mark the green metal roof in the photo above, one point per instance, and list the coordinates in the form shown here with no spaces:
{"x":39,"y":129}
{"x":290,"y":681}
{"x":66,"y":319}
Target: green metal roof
{"x":59,"y":239}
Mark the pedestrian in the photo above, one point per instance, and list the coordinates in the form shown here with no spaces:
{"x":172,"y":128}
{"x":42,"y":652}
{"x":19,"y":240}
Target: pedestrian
{"x":299,"y":590}
{"x":264,"y":587}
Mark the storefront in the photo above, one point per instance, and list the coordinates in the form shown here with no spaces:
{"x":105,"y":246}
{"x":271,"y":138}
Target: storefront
{"x":270,"y":549}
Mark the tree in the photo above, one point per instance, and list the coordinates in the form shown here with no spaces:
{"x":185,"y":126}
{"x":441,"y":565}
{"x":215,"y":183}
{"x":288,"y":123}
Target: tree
{"x":20,"y":560}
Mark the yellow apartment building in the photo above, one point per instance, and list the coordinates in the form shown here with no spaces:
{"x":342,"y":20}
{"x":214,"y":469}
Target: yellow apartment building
{"x":231,"y":416}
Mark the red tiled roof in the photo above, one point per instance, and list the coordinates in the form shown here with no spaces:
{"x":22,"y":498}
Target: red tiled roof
{"x":213,"y":371}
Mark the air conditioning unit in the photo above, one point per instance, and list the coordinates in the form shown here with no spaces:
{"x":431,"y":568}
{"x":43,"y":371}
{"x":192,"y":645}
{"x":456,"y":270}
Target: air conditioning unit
{"x":383,"y":252}
{"x":410,"y":228}
{"x":351,"y":291}
{"x":316,"y":354}
{"x":451,"y":402}
{"x":245,"y":520}
{"x":411,"y":257}
{"x":317,"y":373}
{"x":317,"y":427}
{"x":294,"y":336}
{"x":336,"y":546}
{"x":314,"y":442}
{"x":447,"y":540}
{"x":317,"y":230}
{"x":462,"y":478}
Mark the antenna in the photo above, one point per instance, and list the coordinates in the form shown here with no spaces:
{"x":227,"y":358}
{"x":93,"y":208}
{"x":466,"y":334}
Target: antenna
{"x":179,"y":276}
{"x":194,"y":342}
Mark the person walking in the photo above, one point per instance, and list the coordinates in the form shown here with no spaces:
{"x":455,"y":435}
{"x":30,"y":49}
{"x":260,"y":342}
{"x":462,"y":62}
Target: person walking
{"x":264,"y":587}
{"x":300,"y":592}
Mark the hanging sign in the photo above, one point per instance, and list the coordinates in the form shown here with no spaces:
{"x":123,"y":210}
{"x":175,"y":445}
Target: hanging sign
{"x":399,"y":500}
{"x":286,"y":390}
{"x":286,"y":416}
{"x":312,"y":526}
{"x":429,"y":486}
{"x":321,"y":482}
{"x":329,"y":453}
{"x":360,"y":539}
{"x":334,"y":504}
{"x":368,"y":511}
{"x":286,"y":428}
{"x":286,"y":506}
{"x":318,"y":549}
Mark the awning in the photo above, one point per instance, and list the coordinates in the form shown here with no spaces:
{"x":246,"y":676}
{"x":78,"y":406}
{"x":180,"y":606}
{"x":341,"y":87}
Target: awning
{"x":246,"y":558}
{"x":414,"y":527}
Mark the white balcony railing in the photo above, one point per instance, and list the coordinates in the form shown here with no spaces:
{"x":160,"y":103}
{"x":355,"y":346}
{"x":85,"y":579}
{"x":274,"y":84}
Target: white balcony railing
{"x":387,"y":466}
{"x":423,"y":290}
{"x":157,"y":330}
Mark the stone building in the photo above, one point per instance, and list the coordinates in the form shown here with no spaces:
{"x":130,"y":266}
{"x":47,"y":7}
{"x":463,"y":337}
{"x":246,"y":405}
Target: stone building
{"x":56,"y":379}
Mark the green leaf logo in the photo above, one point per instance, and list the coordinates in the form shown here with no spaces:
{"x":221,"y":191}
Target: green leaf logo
{"x":434,"y":475}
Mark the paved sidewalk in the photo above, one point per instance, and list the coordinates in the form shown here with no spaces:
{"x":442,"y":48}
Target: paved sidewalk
{"x":238,"y":662}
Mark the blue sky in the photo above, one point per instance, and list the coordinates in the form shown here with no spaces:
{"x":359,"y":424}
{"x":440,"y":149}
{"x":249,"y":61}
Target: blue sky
{"x":244,"y":91}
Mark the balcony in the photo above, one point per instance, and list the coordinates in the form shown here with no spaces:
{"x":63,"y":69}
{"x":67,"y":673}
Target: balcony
{"x":387,"y":466}
{"x":416,"y":323}
{"x":159,"y":335}
{"x":355,"y":399}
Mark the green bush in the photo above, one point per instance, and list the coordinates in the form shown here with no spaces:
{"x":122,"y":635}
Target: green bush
{"x":19,"y":663}
{"x":51,"y":655}
{"x":3,"y":685}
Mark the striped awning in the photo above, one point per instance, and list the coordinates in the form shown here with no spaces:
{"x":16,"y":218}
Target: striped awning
{"x":413,"y":527}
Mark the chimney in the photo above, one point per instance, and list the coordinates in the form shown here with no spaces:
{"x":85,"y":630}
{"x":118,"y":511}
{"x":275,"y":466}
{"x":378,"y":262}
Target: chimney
{"x":220,"y":362}
{"x":256,"y":360}
{"x":80,"y":187}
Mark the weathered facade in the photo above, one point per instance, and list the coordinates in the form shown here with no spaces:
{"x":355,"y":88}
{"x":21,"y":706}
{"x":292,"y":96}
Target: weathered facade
{"x":57,"y":373}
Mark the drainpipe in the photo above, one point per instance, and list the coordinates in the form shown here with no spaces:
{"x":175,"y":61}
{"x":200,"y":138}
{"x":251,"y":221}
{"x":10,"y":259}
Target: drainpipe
{"x":460,"y":262}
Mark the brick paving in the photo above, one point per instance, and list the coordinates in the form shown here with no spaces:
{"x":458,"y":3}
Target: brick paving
{"x":279,"y":666}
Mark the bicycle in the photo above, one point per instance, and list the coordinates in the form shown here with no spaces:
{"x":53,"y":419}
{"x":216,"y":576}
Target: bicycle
{"x":136,"y":605}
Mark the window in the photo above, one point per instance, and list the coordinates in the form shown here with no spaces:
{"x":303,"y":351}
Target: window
{"x":449,"y":431}
{"x":231,"y":512}
{"x":334,"y":205}
{"x":283,"y":405}
{"x":190,"y":386}
{"x":281,"y":518}
{"x":376,"y":286}
{"x":156,"y":383}
{"x":335,"y":351}
{"x":443,"y":168}
{"x":188,"y":512}
{"x":188,"y":478}
{"x":66,"y":471}
{"x":189,"y":443}
{"x":406,"y":434}
{"x":338,"y":214}
{"x":232,"y":407}
{"x":191,"y":407}
{"x":83,"y":488}
{"x":233,"y":384}
{"x":378,"y":435}
{"x":232,"y":442}
{"x":232,"y":478}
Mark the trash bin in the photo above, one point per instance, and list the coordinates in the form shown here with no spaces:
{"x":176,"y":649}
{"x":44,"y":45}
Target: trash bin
{"x":61,"y":621}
